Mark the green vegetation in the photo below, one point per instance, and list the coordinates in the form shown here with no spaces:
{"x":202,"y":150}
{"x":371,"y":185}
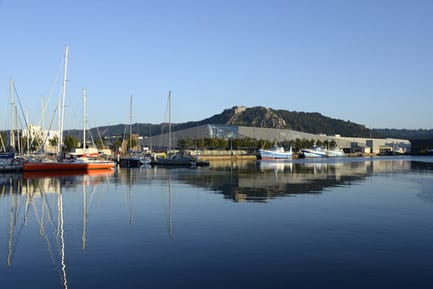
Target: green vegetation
{"x":248,"y":144}
{"x":53,"y":141}
{"x":130,"y":144}
{"x":70,"y":143}
{"x":99,"y":143}
{"x":406,"y":133}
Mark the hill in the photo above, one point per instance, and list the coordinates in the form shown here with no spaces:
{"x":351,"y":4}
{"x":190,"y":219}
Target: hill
{"x":255,"y":116}
{"x":405,"y":133}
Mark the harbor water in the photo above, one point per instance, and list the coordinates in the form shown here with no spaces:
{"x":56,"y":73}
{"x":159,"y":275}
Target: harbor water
{"x":328,"y":223}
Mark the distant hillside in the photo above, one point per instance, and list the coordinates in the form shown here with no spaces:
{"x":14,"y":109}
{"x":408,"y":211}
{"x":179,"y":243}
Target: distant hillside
{"x":300,"y":121}
{"x":254,"y":116}
{"x":405,"y":133}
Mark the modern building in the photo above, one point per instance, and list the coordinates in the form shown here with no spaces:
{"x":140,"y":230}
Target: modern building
{"x":34,"y":132}
{"x":350,"y":144}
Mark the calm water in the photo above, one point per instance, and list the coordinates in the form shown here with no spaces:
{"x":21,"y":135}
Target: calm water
{"x":351,"y":223}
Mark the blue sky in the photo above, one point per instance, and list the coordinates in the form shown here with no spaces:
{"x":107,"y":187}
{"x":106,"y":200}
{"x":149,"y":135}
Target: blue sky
{"x":370,"y":62}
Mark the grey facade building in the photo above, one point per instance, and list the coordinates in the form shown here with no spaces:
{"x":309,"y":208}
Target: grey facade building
{"x":368,"y":145}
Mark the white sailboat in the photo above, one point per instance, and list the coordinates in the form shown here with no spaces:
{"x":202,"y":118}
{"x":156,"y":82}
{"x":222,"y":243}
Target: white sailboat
{"x":61,"y":164}
{"x":180,"y":158}
{"x":133,"y":159}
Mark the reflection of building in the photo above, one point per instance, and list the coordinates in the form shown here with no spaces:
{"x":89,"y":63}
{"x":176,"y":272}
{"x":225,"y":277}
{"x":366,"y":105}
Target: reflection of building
{"x":260,"y":181}
{"x":352,"y":144}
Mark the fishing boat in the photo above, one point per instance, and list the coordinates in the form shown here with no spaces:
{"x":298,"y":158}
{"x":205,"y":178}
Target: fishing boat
{"x":316,"y":152}
{"x":335,"y":153}
{"x":78,"y":164}
{"x":275,"y":153}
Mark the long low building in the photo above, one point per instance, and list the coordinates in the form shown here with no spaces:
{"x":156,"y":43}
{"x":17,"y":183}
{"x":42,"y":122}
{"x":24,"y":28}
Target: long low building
{"x":352,"y":144}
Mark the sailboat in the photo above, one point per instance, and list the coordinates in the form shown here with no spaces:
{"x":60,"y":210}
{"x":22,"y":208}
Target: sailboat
{"x":79,"y":164}
{"x":180,"y":158}
{"x":133,"y":159}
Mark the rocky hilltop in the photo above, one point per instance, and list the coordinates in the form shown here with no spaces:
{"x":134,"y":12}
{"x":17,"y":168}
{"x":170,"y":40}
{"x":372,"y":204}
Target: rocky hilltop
{"x":256,"y":117}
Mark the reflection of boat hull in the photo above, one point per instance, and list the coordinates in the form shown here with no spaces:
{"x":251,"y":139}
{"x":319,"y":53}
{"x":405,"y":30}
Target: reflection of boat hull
{"x":67,"y":166}
{"x":275,"y":154}
{"x":276,"y":166}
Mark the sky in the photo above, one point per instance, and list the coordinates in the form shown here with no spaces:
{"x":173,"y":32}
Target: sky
{"x":369,"y":62}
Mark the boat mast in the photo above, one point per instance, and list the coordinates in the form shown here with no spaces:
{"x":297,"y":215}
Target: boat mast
{"x":28,"y":131}
{"x":84,"y":118}
{"x":59,"y":141}
{"x":43,"y":114}
{"x":63,"y":101}
{"x":169,"y":121}
{"x":130,"y":123}
{"x":12,"y":132}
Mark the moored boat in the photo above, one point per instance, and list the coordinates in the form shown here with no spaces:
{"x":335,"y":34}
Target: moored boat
{"x":10,"y":165}
{"x":314,"y":153}
{"x":275,"y":152}
{"x":134,"y":160}
{"x":67,"y":173}
{"x":78,"y":164}
{"x":180,"y":159}
{"x":335,"y":153}
{"x":68,"y":165}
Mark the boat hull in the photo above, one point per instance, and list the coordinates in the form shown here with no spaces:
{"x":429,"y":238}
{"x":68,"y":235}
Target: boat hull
{"x":314,"y":153}
{"x":335,"y":154}
{"x":66,"y":173}
{"x":130,"y":163}
{"x":271,"y":155}
{"x":66,"y":166}
{"x":174,"y":162}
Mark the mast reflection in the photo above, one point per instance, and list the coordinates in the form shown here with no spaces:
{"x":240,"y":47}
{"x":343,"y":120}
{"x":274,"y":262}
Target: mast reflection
{"x":42,"y":194}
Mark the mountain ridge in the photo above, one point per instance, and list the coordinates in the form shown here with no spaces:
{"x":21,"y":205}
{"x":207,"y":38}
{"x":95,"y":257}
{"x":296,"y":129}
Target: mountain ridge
{"x":258,"y":116}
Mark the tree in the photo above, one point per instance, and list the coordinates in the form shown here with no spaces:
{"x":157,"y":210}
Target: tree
{"x":70,"y":142}
{"x":199,"y":143}
{"x":326,"y":144}
{"x":36,"y":144}
{"x":182,"y":144}
{"x":117,"y":144}
{"x":333,"y":144}
{"x":54,"y":141}
{"x":130,"y":144}
{"x":99,"y":144}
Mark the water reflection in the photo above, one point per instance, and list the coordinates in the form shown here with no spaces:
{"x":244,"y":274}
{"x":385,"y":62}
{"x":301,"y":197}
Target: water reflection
{"x":239,"y":181}
{"x":263,"y":180}
{"x":41,"y":196}
{"x":126,"y":229}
